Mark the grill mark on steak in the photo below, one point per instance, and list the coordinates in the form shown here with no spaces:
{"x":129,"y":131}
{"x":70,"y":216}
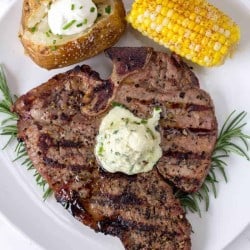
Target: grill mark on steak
{"x":184,"y":155}
{"x":138,"y":212}
{"x":46,"y":141}
{"x":185,"y":182}
{"x":167,"y":241}
{"x":55,"y":164}
{"x":189,"y":120}
{"x":59,"y":121}
{"x":187,"y":131}
{"x":121,"y":224}
{"x":69,"y":143}
{"x":50,"y":162}
{"x":142,"y":91}
{"x":171,"y":105}
{"x":185,"y":144}
{"x":192,"y":107}
{"x":187,"y":173}
{"x":127,"y":198}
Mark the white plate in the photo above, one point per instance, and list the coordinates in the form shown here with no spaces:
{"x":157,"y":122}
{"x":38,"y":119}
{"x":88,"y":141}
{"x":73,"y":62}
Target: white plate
{"x":49,"y":225}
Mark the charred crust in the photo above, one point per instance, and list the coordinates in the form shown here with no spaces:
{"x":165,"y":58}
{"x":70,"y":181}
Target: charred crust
{"x":179,"y":63}
{"x":71,"y":201}
{"x":44,"y":142}
{"x":132,"y":58}
{"x":100,"y":98}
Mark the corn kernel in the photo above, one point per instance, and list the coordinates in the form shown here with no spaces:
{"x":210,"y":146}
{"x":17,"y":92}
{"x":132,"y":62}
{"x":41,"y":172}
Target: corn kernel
{"x":207,"y":59}
{"x":208,"y":33}
{"x":187,"y":33}
{"x":191,"y":25}
{"x":197,"y":48}
{"x":224,"y":50}
{"x":146,"y":13}
{"x":164,"y":11}
{"x":222,"y":39}
{"x":158,"y":8}
{"x":192,"y":16}
{"x":147,"y":22}
{"x":215,"y":27}
{"x":217,"y":46}
{"x":176,"y":28}
{"x":158,"y":28}
{"x":153,"y":26}
{"x":164,"y":32}
{"x":192,"y":36}
{"x":165,"y":21}
{"x":153,"y":16}
{"x":170,"y":13}
{"x":185,"y":22}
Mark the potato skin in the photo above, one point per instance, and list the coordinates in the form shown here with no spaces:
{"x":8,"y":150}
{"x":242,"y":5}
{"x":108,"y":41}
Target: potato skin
{"x":99,"y":37}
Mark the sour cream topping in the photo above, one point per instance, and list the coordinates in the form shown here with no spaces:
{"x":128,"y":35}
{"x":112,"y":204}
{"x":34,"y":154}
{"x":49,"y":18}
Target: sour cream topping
{"x":128,"y":144}
{"x":69,"y":17}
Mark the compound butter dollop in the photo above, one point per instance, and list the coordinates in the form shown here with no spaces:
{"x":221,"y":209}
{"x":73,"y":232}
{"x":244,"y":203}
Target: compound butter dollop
{"x":128,"y":144}
{"x":69,"y":17}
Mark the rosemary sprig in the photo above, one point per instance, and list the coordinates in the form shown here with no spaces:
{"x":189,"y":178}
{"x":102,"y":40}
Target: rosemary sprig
{"x":8,"y":127}
{"x":231,"y":139}
{"x":22,"y":155}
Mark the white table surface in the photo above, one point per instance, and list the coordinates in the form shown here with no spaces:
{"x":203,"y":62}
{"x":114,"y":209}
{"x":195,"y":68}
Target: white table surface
{"x":12,"y":239}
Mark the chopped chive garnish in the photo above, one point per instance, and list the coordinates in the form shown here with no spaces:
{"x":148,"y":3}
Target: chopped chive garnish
{"x":137,"y":123}
{"x":100,"y":150}
{"x":80,"y":7}
{"x":118,"y":104}
{"x":50,"y":31}
{"x":99,"y":15}
{"x":47,"y":34}
{"x":60,"y":36}
{"x":68,"y":25}
{"x":144,"y":121}
{"x":54,"y":41}
{"x":33,"y":29}
{"x":79,"y":25}
{"x":108,"y":9}
{"x":53,"y":48}
{"x":151,"y":133}
{"x":72,"y":6}
{"x":92,"y":9}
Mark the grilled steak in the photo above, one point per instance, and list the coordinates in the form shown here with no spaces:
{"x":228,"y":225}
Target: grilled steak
{"x":59,"y":121}
{"x":188,"y":125}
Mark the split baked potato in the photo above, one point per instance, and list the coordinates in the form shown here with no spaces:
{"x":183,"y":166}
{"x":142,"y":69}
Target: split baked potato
{"x":51,"y":51}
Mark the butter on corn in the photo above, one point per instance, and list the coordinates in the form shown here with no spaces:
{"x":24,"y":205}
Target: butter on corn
{"x":193,"y":29}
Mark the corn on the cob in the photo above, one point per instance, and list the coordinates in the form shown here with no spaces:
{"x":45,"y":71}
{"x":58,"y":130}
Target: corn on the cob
{"x":193,"y":29}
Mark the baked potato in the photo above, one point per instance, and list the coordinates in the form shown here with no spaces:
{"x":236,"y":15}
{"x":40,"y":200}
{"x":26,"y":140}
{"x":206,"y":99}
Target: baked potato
{"x":50,"y":50}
